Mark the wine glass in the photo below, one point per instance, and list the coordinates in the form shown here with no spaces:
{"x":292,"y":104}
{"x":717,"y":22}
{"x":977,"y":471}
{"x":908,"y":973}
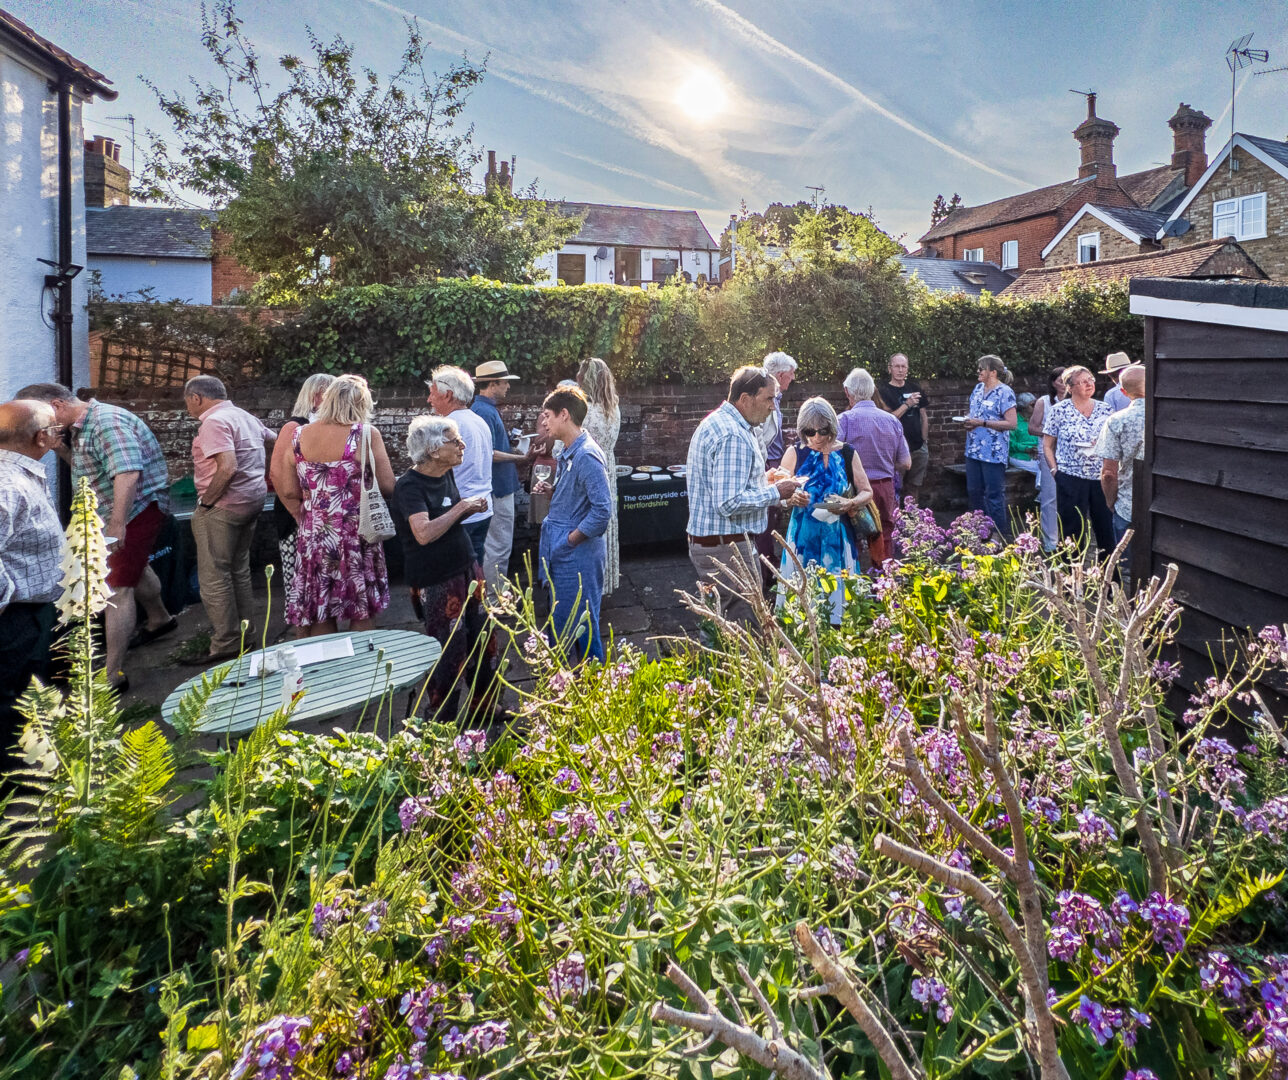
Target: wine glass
{"x":541,"y":473}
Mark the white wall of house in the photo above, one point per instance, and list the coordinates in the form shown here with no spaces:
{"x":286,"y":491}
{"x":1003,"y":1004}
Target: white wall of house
{"x":169,"y":279}
{"x":599,"y":271}
{"x":29,"y":226}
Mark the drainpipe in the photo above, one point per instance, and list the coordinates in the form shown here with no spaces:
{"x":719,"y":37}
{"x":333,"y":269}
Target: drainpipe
{"x":63,"y":312}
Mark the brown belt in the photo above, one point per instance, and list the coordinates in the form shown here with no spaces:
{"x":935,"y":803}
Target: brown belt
{"x":717,"y":541}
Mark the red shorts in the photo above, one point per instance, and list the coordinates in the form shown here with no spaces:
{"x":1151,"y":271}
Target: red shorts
{"x":129,"y":556}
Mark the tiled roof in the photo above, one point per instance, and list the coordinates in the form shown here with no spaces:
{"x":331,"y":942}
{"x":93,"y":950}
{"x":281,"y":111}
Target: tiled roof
{"x":638,"y":226}
{"x":1178,"y":262}
{"x":1145,"y":187}
{"x":151,"y":231}
{"x":1273,"y":147}
{"x":1142,"y":188}
{"x":92,"y":81}
{"x":1141,"y":222}
{"x":956,"y":275}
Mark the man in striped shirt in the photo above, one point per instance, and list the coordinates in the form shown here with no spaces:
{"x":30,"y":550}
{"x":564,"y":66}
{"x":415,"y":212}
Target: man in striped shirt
{"x":729,"y":490}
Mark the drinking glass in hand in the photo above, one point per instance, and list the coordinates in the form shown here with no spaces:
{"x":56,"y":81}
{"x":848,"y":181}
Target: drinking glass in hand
{"x":541,"y":473}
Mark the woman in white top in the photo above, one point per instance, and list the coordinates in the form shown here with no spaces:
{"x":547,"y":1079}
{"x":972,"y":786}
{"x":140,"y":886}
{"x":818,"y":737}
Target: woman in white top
{"x":604,"y":422}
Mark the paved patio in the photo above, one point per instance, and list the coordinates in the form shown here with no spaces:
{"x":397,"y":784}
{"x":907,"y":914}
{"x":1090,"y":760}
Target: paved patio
{"x":644,"y":609}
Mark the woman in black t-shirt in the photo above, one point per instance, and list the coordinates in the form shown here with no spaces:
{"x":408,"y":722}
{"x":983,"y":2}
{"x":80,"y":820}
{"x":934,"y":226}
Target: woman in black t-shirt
{"x":440,"y":568}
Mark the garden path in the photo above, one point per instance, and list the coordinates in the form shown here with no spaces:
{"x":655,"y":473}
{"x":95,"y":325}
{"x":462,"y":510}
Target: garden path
{"x":642,"y":609}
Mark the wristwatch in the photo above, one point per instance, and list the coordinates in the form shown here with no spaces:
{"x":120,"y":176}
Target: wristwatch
{"x":206,"y":506}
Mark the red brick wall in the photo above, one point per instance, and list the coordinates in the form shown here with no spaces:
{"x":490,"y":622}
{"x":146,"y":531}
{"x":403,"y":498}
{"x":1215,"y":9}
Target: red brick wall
{"x":227,"y":275}
{"x":1033,"y":234}
{"x":657,"y":421}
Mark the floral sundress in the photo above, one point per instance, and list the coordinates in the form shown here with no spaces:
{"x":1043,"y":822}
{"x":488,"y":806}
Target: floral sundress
{"x":338,"y":575}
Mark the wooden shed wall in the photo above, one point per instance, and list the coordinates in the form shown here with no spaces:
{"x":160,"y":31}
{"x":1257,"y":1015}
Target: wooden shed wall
{"x":1215,"y":480}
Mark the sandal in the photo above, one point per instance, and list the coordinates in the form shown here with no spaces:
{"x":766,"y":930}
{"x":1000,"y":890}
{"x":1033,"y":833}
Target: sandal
{"x":145,"y":636}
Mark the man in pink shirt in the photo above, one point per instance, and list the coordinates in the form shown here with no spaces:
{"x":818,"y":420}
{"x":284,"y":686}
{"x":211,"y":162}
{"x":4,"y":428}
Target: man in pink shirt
{"x":228,"y":470}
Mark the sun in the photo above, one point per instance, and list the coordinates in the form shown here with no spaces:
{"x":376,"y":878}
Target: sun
{"x":701,"y":96}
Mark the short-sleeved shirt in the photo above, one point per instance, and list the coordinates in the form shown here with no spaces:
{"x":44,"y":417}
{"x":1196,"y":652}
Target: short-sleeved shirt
{"x":985,"y":443}
{"x":505,"y":474}
{"x":224,"y":428}
{"x":1122,"y":439}
{"x":1116,"y":399}
{"x":1074,"y":433}
{"x":893,"y":396}
{"x":31,"y":538}
{"x":110,"y":441}
{"x":1023,"y":442}
{"x":474,"y":473}
{"x":452,"y":553}
{"x":876,"y":436}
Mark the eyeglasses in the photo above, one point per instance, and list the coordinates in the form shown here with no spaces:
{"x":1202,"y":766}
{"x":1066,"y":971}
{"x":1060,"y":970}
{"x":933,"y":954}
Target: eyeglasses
{"x":54,"y":429}
{"x":809,"y":432}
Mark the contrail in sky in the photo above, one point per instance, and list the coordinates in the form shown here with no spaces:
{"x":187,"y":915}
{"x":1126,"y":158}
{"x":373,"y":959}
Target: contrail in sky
{"x":757,"y":36}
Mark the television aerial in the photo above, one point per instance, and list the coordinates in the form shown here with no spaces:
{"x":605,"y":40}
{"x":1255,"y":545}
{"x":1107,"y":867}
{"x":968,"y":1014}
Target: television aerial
{"x":1237,"y":57}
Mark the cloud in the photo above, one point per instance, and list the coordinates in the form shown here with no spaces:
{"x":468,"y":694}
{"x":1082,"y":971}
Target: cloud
{"x":623,"y":171}
{"x":756,"y":36}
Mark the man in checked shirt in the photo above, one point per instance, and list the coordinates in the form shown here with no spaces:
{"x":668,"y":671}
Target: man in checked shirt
{"x":31,"y":546}
{"x":730,"y":491}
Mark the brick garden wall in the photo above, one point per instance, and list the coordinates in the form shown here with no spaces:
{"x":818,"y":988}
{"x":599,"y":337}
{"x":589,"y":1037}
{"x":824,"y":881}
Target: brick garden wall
{"x":657,"y":421}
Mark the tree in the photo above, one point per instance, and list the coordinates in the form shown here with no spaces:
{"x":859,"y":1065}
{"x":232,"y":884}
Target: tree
{"x":803,"y":236}
{"x":341,"y":177}
{"x":941,"y":208}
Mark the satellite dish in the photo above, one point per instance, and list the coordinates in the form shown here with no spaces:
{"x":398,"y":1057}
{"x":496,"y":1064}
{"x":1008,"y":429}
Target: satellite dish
{"x":1179,"y":227}
{"x":601,"y":253}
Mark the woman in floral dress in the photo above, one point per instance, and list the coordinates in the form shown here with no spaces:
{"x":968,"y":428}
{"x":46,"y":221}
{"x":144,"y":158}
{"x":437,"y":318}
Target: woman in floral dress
{"x":988,"y":440}
{"x":338,"y":575}
{"x":603,"y":422}
{"x":1069,"y":431}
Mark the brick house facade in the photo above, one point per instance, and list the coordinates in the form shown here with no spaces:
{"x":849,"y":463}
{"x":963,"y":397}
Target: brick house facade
{"x":1032,"y":219}
{"x":1261,"y":169}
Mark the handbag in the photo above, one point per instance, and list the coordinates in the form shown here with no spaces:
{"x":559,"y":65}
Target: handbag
{"x":866,"y":519}
{"x":375,"y":523}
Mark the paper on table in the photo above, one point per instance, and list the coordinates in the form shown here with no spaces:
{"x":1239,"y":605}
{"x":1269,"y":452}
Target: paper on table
{"x":314,"y":652}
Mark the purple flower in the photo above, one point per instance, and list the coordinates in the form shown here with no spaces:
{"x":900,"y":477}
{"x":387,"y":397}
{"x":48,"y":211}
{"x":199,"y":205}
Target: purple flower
{"x":1094,"y":830}
{"x":422,"y":1009}
{"x":20,"y":957}
{"x":438,"y":945}
{"x":567,"y":780}
{"x":1102,"y":1022}
{"x":1046,"y":808}
{"x":478,"y":1040}
{"x":1077,"y":918}
{"x":1218,"y":971}
{"x":412,"y":811}
{"x":375,"y":912}
{"x":460,"y":926}
{"x":326,"y":917}
{"x":568,"y":978}
{"x":1122,"y":907}
{"x":272,"y":1049}
{"x":1140,"y":1074}
{"x":468,"y":743}
{"x":930,"y":991}
{"x":827,"y":941}
{"x":1027,"y":544}
{"x":1168,"y":920}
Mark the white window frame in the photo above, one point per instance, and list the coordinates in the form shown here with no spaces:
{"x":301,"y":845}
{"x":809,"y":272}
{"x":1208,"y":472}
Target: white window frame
{"x":1013,"y":261}
{"x":1237,"y":209}
{"x":973,"y":254}
{"x":1094,"y":238}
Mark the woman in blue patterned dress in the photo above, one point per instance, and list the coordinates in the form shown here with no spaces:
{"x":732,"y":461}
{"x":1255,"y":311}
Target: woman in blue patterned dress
{"x":835,"y":486}
{"x":988,"y":440}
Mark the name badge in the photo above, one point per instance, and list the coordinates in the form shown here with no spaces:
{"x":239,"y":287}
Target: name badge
{"x":447,"y":500}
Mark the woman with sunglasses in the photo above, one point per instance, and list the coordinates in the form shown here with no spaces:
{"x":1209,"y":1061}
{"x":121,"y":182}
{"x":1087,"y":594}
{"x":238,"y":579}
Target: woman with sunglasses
{"x":836,"y":485}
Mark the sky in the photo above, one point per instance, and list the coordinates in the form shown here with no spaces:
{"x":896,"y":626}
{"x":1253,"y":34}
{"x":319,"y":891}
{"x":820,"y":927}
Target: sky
{"x":705,"y":104}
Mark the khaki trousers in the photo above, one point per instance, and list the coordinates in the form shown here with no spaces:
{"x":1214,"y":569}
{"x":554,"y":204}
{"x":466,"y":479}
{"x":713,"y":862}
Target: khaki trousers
{"x":223,"y":539}
{"x":707,"y":561}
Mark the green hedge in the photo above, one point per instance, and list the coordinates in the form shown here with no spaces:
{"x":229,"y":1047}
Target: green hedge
{"x":829,"y":321}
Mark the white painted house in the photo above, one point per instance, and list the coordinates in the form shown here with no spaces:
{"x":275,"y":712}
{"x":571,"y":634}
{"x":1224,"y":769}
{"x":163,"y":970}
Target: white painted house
{"x":631,"y":245}
{"x":42,"y":209}
{"x":161,"y":249}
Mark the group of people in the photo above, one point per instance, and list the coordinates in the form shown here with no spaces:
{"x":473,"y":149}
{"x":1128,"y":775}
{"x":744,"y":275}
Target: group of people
{"x":1082,"y":451}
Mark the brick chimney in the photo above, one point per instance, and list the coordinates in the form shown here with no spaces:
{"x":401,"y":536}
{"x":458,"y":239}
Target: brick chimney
{"x":1189,"y":142}
{"x":1096,"y":137}
{"x":107,"y":181}
{"x":504,"y":178}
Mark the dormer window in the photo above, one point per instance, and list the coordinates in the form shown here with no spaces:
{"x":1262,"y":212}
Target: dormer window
{"x":1010,"y":254}
{"x":973,"y":254}
{"x":1243,"y":218}
{"x":1088,"y":247}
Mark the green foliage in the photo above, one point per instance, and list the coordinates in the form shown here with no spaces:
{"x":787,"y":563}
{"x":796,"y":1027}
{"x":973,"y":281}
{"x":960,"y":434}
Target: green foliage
{"x":340,"y":177}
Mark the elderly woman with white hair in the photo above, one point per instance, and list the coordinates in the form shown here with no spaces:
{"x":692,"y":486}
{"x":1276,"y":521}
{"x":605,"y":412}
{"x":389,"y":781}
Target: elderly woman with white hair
{"x":339,"y":575}
{"x":286,"y":509}
{"x":836,"y":485}
{"x":442,"y":569}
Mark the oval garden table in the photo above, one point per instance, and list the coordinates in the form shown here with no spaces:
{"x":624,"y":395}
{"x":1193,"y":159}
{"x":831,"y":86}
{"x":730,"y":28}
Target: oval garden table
{"x":332,"y":687}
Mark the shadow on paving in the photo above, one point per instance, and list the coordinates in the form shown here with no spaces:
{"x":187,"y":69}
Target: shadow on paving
{"x":643,"y":609}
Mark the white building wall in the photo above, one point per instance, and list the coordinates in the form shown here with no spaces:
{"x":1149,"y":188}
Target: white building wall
{"x":599,"y":271}
{"x":29,"y":227}
{"x":126,"y":276}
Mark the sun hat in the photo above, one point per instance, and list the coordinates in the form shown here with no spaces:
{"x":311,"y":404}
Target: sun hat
{"x":492,"y":371}
{"x":1115,"y":362}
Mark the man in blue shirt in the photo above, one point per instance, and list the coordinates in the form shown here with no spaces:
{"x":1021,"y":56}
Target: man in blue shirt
{"x":491,"y":384}
{"x":572,"y":535}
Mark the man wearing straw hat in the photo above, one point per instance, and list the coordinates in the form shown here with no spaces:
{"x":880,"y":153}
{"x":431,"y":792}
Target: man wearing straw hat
{"x":491,"y":384}
{"x":1115,"y":364}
